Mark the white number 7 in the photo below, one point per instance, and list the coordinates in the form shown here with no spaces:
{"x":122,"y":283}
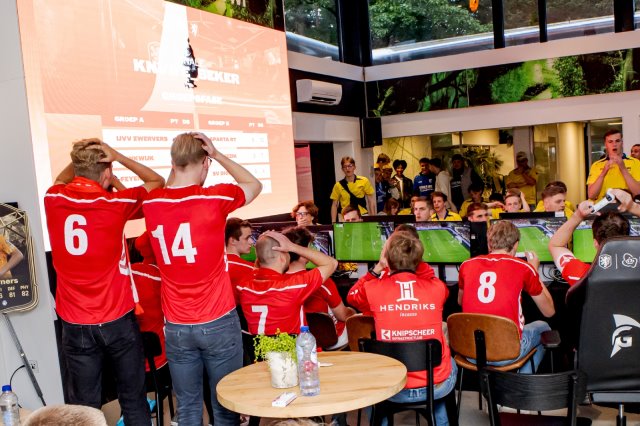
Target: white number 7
{"x":264,"y":310}
{"x":183,"y":237}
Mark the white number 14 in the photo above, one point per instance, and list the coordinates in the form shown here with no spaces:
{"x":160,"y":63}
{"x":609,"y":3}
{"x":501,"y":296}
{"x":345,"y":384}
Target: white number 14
{"x":181,"y":245}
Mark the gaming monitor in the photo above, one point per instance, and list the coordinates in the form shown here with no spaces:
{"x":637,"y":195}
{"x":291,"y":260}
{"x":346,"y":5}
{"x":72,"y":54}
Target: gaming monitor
{"x":583,"y":247}
{"x":535,"y":233}
{"x":360,"y":241}
{"x":322,"y":239}
{"x":444,"y":242}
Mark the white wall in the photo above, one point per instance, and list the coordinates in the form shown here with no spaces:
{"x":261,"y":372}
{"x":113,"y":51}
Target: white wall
{"x":35,"y":327}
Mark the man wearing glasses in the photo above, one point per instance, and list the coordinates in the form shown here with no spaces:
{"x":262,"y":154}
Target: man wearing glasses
{"x":352,"y":190}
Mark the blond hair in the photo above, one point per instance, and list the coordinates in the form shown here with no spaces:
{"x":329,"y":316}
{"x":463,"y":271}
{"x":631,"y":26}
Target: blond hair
{"x":502,"y":235}
{"x":86,"y":156}
{"x":187,"y":149}
{"x":403,"y":251}
{"x":65,"y":415}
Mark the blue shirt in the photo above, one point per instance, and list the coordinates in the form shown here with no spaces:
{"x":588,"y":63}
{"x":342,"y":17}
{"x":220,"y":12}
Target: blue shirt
{"x":424,"y":185}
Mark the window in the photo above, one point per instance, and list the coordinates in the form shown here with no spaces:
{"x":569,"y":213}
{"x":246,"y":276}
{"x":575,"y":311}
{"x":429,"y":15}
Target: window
{"x":577,"y":18}
{"x":312,"y":28}
{"x":403,"y":30}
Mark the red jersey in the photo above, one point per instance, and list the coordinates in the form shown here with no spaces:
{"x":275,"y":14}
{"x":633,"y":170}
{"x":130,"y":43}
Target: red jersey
{"x":86,"y":231}
{"x":274,"y":301}
{"x":147,"y":280}
{"x":424,"y":271}
{"x":493,"y":284}
{"x":572,"y":269}
{"x":186,"y":226}
{"x":407,"y":308}
{"x":323,"y":300}
{"x":240,"y":271}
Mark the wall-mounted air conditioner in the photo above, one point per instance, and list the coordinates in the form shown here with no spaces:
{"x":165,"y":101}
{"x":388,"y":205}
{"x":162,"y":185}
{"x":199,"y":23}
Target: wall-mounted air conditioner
{"x":318,"y":92}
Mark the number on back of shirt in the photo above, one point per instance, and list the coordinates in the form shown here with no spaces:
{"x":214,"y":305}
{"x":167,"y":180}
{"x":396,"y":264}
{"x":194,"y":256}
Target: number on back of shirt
{"x":487,"y":291}
{"x":262,"y":322}
{"x":75,"y":238}
{"x":181,"y":246}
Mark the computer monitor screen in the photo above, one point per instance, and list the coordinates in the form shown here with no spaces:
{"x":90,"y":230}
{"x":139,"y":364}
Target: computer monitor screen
{"x":444,"y":242}
{"x":322,"y":237}
{"x":535,"y":234}
{"x":583,"y":247}
{"x":360,"y":241}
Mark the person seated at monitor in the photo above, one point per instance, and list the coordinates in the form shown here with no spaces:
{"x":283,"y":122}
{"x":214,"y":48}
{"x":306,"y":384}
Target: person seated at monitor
{"x":273,"y":300}
{"x":305,"y":213}
{"x":422,"y":209}
{"x":351,"y":214}
{"x":391,"y":207}
{"x":403,"y":254}
{"x":493,"y":283}
{"x":326,"y":299}
{"x":553,"y":200}
{"x":441,"y":212}
{"x":605,"y":226}
{"x":561,"y":184}
{"x":478,"y":212}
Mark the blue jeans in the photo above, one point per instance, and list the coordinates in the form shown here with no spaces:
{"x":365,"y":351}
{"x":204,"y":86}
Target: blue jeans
{"x":87,"y":347}
{"x":215,"y":346}
{"x":420,"y":395}
{"x":530,"y":339}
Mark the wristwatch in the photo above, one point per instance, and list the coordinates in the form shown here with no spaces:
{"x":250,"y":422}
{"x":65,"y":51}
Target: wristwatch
{"x":374,"y":273}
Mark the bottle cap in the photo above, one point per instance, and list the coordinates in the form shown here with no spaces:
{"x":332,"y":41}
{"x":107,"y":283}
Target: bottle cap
{"x":6,"y":388}
{"x":304,"y":329}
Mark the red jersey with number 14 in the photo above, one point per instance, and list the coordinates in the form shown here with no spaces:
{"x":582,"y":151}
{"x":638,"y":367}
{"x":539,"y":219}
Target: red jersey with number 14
{"x":493,"y":284}
{"x":186,"y":226}
{"x":86,"y":231}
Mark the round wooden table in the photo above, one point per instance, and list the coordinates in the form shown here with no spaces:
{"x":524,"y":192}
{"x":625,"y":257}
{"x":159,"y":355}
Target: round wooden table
{"x":355,"y":380}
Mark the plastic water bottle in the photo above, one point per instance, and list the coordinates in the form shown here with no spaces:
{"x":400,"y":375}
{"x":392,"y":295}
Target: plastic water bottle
{"x":9,"y":407}
{"x":307,"y":363}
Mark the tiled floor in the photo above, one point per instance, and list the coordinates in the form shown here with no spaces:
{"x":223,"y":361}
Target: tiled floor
{"x":469,"y":414}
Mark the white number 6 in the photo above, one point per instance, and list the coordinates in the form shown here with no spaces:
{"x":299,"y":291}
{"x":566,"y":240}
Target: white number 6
{"x":73,"y":235}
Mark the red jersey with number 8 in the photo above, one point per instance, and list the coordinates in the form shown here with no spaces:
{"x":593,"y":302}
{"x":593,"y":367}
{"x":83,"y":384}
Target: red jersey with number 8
{"x":493,"y":284}
{"x":86,"y":231}
{"x":186,"y":226}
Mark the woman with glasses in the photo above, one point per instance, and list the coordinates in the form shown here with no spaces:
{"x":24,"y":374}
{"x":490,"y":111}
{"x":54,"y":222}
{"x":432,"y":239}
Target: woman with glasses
{"x":305,"y":213}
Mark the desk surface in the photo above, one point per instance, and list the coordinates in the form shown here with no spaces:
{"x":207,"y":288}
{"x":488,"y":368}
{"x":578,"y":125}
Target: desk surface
{"x":355,"y":380}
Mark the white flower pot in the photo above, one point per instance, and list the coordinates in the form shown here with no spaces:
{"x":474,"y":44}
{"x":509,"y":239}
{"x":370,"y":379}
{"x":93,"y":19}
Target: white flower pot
{"x":284,"y":371}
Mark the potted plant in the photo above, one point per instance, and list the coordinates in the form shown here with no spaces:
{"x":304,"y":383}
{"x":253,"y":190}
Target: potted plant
{"x":280,"y":353}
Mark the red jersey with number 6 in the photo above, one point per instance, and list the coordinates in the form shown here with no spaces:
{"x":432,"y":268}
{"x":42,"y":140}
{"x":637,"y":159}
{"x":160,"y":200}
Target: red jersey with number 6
{"x":493,"y":284}
{"x":186,"y":226}
{"x":86,"y":231}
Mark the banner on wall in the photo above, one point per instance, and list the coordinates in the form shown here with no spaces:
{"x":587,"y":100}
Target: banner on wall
{"x":18,"y":287}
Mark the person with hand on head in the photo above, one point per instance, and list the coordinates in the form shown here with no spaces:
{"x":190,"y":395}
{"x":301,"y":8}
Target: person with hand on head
{"x":616,"y":170}
{"x":493,"y":284}
{"x":94,"y":298}
{"x":187,"y":225}
{"x":325,"y":299}
{"x":273,"y":300}
{"x":523,"y":178}
{"x":305,"y":213}
{"x":352,"y":190}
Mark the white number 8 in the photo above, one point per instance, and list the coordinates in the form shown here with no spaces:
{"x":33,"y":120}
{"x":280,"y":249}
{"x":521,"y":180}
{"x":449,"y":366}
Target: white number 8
{"x":73,"y":234}
{"x":487,"y":291}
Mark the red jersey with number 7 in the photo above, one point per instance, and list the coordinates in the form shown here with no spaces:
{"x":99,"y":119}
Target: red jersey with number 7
{"x":86,"y":231}
{"x":186,"y":226}
{"x":493,"y":284}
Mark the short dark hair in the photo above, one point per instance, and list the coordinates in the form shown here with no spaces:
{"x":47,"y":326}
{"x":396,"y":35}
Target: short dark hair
{"x":234,"y":227}
{"x":609,"y":224}
{"x":552,"y":190}
{"x":476,"y":187}
{"x":457,"y":157}
{"x":409,"y":229}
{"x":635,"y":144}
{"x":424,"y":160}
{"x":397,"y":163}
{"x":496,"y":196}
{"x":298,"y":235}
{"x":559,"y":183}
{"x":610,"y":132}
{"x":436,"y":162}
{"x":476,"y":206}
{"x":350,"y":209}
{"x":442,"y":195}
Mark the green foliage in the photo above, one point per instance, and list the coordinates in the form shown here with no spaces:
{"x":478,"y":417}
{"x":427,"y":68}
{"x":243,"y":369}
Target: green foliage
{"x":570,"y":76}
{"x":511,"y":86}
{"x":387,"y":93}
{"x":281,"y":342}
{"x":395,"y":21}
{"x":485,"y":163}
{"x":316,"y":19}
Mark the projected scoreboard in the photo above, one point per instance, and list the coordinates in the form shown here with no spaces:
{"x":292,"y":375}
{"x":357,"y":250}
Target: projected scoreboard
{"x":138,"y":72}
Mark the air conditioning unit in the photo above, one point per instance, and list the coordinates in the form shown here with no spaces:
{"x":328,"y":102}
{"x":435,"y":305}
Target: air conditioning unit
{"x":318,"y":92}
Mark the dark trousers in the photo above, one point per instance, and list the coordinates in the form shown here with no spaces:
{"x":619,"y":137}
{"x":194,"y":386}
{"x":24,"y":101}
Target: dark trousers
{"x":87,"y":347}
